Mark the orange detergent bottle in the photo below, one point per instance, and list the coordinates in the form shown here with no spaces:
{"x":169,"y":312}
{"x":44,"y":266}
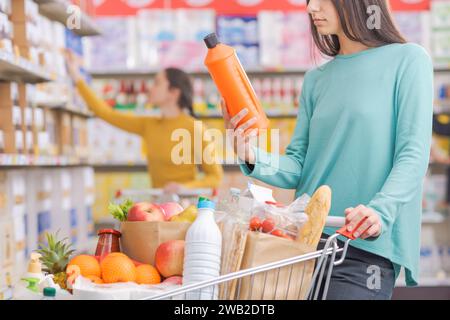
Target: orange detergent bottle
{"x":232,"y":82}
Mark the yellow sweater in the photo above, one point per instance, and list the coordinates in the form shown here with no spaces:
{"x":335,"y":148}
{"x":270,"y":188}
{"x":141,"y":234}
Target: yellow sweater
{"x":157,"y":134}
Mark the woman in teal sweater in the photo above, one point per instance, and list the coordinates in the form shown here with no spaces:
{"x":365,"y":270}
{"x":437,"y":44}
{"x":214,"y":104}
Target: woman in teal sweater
{"x":364,"y":128}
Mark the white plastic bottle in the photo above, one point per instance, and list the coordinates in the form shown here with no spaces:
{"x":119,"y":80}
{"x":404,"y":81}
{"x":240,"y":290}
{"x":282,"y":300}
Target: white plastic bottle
{"x":203,"y":249}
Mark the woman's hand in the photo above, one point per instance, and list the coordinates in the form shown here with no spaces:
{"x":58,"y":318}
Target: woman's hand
{"x":241,"y":135}
{"x":371,"y":227}
{"x":73,"y":67}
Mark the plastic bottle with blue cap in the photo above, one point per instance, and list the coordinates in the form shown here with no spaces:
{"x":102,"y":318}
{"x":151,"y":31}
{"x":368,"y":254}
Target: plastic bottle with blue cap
{"x":203,"y":249}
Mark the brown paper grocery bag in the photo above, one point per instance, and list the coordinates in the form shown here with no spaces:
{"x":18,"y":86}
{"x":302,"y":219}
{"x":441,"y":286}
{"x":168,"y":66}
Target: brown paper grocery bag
{"x":140,"y":239}
{"x":287,"y":283}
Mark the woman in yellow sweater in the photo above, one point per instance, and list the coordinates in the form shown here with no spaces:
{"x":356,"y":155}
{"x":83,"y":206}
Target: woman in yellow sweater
{"x":172,"y":92}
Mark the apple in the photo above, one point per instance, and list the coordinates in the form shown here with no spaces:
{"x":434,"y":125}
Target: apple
{"x":174,"y":280}
{"x":145,"y":211}
{"x":169,"y":258}
{"x":170,"y":209}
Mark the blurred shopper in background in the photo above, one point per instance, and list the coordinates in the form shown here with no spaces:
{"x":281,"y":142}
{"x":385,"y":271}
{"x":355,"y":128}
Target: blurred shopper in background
{"x":172,"y":92}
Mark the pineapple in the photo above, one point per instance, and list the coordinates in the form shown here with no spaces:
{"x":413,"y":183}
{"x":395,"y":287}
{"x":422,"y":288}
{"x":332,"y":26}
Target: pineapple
{"x":55,"y":257}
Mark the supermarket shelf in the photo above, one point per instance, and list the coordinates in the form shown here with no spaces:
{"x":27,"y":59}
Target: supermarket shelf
{"x":140,"y":167}
{"x":13,"y":68}
{"x":62,"y":105}
{"x":270,"y":114}
{"x":21,"y":161}
{"x":57,"y":10}
{"x":139,"y":73}
{"x":74,"y":112}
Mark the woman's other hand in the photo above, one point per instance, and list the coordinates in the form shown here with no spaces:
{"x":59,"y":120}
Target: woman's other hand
{"x":241,"y":135}
{"x":371,"y":227}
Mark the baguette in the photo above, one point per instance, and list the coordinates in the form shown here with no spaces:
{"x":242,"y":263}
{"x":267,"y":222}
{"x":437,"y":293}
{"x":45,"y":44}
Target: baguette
{"x":317,"y":211}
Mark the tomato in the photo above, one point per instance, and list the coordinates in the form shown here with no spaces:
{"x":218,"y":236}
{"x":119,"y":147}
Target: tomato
{"x":278,"y":233}
{"x":268,"y":225}
{"x":255,"y":224}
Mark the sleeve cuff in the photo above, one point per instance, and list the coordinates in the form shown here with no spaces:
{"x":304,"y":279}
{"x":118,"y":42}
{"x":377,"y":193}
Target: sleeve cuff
{"x":261,"y":167}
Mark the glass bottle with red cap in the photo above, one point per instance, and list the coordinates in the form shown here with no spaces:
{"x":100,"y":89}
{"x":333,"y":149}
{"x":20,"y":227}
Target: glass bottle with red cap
{"x":108,"y":242}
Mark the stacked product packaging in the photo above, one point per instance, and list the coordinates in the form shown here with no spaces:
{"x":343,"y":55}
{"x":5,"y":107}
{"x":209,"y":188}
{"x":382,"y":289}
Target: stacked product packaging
{"x":151,"y":39}
{"x":6,"y":29}
{"x":36,"y":201}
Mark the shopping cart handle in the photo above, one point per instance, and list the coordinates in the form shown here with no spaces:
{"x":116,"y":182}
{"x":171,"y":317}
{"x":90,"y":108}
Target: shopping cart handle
{"x":349,"y":234}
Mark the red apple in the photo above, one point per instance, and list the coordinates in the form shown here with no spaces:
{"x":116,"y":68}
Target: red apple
{"x":174,"y":280}
{"x":170,"y":209}
{"x":145,"y":211}
{"x":169,"y":258}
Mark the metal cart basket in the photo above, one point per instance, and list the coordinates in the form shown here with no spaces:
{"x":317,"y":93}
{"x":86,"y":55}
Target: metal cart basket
{"x":158,"y":195}
{"x":267,"y":279}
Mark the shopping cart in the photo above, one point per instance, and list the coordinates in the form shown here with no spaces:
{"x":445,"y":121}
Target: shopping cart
{"x":159,"y":196}
{"x":307,"y":287}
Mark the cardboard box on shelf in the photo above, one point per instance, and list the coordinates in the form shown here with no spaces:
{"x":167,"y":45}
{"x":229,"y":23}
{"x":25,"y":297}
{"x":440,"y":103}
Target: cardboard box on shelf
{"x":6,"y":118}
{"x":24,"y":10}
{"x":2,"y":142}
{"x":64,"y":133}
{"x":50,"y":120}
{"x":29,"y":142}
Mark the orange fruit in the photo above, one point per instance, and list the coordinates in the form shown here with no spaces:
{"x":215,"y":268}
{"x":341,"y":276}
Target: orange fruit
{"x":117,"y":254}
{"x":88,"y":265}
{"x":147,"y":274}
{"x":95,"y":279}
{"x":117,"y":268}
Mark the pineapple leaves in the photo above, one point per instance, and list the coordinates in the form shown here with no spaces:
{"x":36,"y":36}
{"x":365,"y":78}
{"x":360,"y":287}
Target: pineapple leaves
{"x":56,"y":254}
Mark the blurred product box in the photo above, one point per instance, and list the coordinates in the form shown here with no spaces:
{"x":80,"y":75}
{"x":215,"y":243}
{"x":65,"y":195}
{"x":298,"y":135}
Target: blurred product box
{"x":242,"y":34}
{"x":7,"y":256}
{"x":63,"y":214}
{"x":108,"y":144}
{"x":29,"y":142}
{"x":3,"y":194}
{"x":20,"y":145}
{"x":7,"y":117}
{"x":51,"y":131}
{"x":24,"y":10}
{"x":2,"y":142}
{"x":39,"y":206}
{"x":64,"y":133}
{"x":18,"y":212}
{"x":79,"y":137}
{"x":5,"y":6}
{"x":83,"y":195}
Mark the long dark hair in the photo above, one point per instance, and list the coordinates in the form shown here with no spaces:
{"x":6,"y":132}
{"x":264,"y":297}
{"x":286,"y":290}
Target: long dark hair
{"x":353,"y":17}
{"x":178,"y":79}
